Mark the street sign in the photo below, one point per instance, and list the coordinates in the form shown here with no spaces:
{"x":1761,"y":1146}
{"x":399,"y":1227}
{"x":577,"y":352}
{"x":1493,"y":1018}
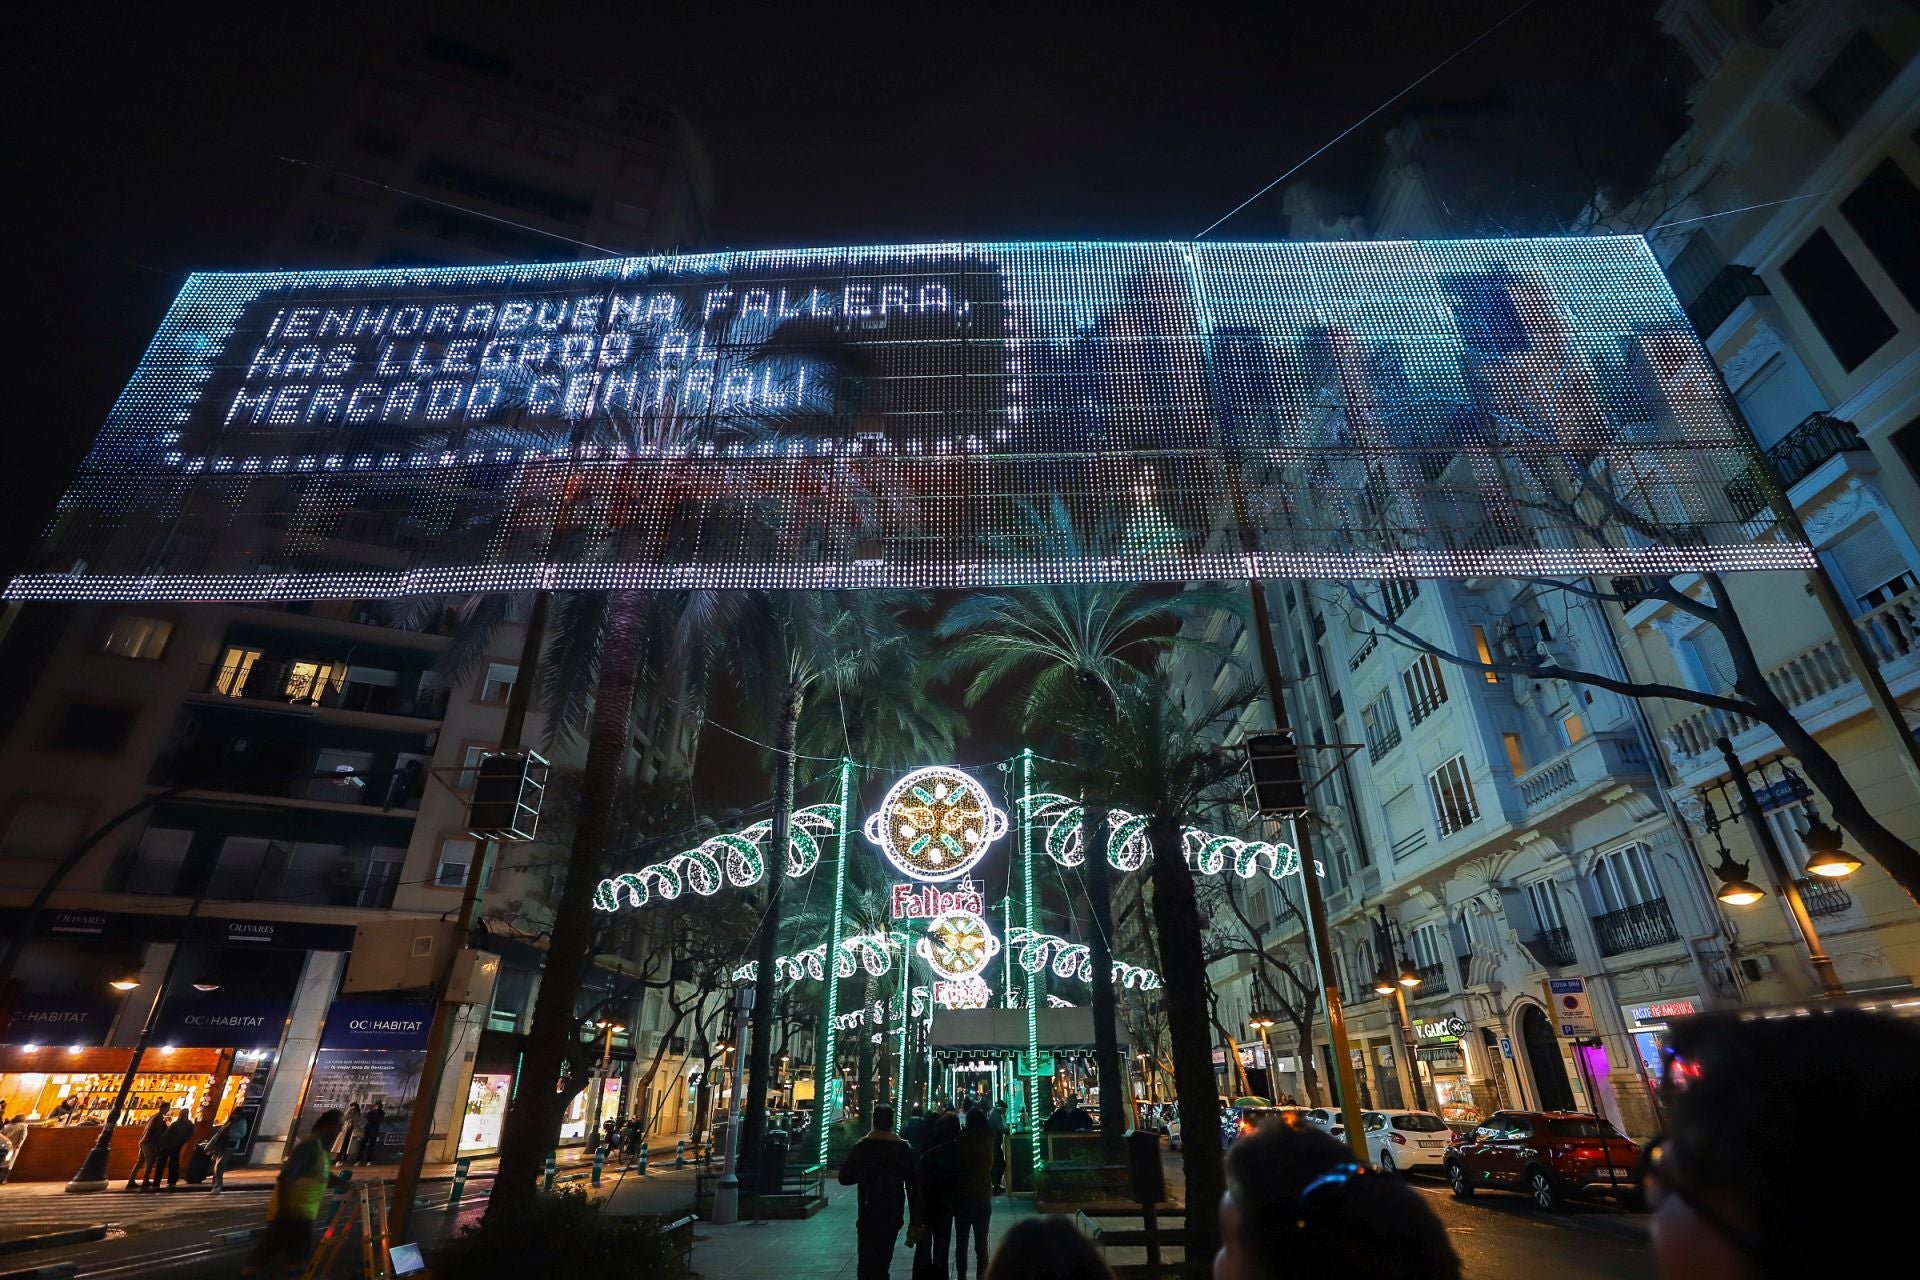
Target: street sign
{"x":1506,"y":1048}
{"x":1571,"y":1011}
{"x":1025,"y":1072}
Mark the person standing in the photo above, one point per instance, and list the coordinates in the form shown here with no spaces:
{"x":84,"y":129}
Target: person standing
{"x":147,"y":1160}
{"x":881,"y":1165}
{"x":349,"y":1129}
{"x":374,"y":1121}
{"x":973,"y":1199}
{"x":173,"y":1145}
{"x":997,"y":1121}
{"x":939,"y":1181}
{"x":297,"y":1195}
{"x":225,"y":1144}
{"x":13,"y":1140}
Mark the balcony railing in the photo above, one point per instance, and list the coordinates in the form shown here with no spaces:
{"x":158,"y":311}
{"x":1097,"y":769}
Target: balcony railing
{"x":275,"y":876}
{"x":1595,"y":759}
{"x":1823,"y":897}
{"x":1734,"y":285}
{"x":1551,"y":947}
{"x":1891,"y":633}
{"x":1379,"y":742}
{"x":1365,"y":651}
{"x":1433,"y":980}
{"x":318,"y":683}
{"x":1792,"y":458}
{"x":1635,"y":928}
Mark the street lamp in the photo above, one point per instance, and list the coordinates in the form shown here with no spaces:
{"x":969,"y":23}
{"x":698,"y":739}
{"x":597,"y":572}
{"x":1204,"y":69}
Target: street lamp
{"x":1263,"y":1023}
{"x":1397,"y":986}
{"x":124,"y":984}
{"x":1830,"y":857}
{"x":607,"y":1028}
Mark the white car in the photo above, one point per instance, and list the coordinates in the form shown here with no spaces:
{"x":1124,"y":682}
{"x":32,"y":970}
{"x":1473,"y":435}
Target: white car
{"x":1404,"y":1141}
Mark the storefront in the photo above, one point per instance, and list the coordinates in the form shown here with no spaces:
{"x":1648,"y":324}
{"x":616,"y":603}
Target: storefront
{"x":1440,"y":1049}
{"x":1647,"y":1024}
{"x":370,"y":1054}
{"x":496,"y":1064}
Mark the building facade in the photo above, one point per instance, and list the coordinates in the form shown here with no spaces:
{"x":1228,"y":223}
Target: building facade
{"x":285,"y":773}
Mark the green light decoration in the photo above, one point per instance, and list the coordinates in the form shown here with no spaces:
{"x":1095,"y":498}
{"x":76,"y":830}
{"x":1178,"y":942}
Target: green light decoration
{"x":1128,"y":849}
{"x":732,"y":859}
{"x":1034,"y":1111}
{"x":827,"y":1068}
{"x":1035,"y":952}
{"x":869,"y":951}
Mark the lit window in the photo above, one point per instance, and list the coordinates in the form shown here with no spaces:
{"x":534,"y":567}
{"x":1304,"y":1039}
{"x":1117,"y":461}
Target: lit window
{"x":1485,"y":653}
{"x":498,"y":685}
{"x":230,"y":677}
{"x":1516,"y":755}
{"x":307,"y":681}
{"x":1572,"y":727}
{"x":134,"y":635}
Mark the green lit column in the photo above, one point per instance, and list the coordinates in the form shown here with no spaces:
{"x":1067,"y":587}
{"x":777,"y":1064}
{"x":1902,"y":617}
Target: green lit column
{"x":1034,"y":1118}
{"x":826,"y":1070}
{"x":900,"y":1057}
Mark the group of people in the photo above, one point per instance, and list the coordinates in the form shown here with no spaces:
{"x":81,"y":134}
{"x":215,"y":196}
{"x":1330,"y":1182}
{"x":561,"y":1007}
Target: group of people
{"x":167,"y":1139}
{"x":359,"y":1138}
{"x":1755,"y":1107}
{"x":939,"y":1182}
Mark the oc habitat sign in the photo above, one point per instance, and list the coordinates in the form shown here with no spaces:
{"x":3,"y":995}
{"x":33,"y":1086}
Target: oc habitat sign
{"x":942,"y":416}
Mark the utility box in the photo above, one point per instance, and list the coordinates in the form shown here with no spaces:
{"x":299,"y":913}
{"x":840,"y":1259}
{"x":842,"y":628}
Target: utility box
{"x":399,"y":954}
{"x":507,"y":790}
{"x":1273,"y":760}
{"x":474,"y":974}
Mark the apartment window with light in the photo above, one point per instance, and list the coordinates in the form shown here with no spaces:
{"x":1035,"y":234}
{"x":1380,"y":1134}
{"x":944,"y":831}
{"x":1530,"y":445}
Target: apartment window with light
{"x":307,"y":680}
{"x":1516,"y":753}
{"x":134,"y":635}
{"x":1426,"y":687}
{"x":498,"y":686}
{"x":230,"y":677}
{"x":1451,"y":790}
{"x":1572,"y":727}
{"x":1624,"y":878}
{"x":1484,"y":652}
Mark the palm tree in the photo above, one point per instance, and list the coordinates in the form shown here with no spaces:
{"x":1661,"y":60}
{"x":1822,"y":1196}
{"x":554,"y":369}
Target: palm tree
{"x":883,"y":712}
{"x":1168,"y":768}
{"x":1075,"y":646}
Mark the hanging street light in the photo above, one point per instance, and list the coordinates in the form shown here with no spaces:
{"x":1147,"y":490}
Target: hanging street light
{"x":1829,"y":855}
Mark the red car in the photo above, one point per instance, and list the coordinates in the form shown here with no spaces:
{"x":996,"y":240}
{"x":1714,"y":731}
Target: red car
{"x":1547,"y":1156}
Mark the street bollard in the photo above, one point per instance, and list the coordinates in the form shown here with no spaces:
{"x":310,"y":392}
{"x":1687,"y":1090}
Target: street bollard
{"x":551,"y":1163}
{"x":680,"y":1154}
{"x":599,"y":1163}
{"x":460,"y":1168}
{"x":643,"y":1156}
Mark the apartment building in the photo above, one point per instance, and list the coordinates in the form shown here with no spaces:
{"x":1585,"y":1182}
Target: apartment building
{"x":291,"y":771}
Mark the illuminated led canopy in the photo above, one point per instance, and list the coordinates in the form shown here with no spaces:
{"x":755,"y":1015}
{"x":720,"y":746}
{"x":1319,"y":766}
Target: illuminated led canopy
{"x":733,"y":859}
{"x":935,"y":823}
{"x":903,"y":416}
{"x":1128,"y":849}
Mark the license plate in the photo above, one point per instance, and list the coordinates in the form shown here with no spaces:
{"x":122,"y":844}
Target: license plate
{"x":1433,"y":1144}
{"x":1623,"y":1174}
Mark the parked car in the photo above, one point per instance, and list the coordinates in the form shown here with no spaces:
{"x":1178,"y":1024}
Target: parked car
{"x":1548,"y":1156}
{"x":1406,"y":1140}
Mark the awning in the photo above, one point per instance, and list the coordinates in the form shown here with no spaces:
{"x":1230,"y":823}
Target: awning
{"x":1007,"y":1029}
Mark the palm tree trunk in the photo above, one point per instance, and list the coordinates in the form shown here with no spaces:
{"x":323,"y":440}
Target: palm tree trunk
{"x":532,"y":1126}
{"x":1183,"y":976}
{"x":1114,"y":1103}
{"x":866,"y":1058}
{"x":760,"y":1064}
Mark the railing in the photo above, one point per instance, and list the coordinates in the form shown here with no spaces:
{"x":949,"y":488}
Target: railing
{"x":1433,"y":980}
{"x":1734,"y":285}
{"x":348,"y":882}
{"x":1635,"y":928}
{"x":1409,"y":844}
{"x":1551,"y":947}
{"x":1364,"y":652}
{"x":1542,"y":783}
{"x":1595,"y":759}
{"x":316,"y":683}
{"x":1422,"y":703}
{"x":1823,"y":897}
{"x":1890,"y":633}
{"x":1792,"y":458}
{"x":1379,"y":744}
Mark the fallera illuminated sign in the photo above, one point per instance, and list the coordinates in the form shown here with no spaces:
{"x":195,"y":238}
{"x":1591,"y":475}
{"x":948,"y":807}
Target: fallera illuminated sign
{"x":937,"y":416}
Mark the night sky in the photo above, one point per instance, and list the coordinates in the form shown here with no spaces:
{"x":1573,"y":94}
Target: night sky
{"x":148,"y":143}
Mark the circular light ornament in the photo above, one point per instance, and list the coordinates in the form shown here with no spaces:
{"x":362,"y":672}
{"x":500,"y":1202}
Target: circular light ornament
{"x":936,"y":823}
{"x":958,"y":944}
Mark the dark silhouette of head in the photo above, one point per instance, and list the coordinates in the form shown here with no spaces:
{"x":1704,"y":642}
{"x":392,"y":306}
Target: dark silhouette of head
{"x":1046,"y":1249}
{"x":976,"y":1118}
{"x":883,"y":1119}
{"x":1297,"y":1205}
{"x":946,"y":1128}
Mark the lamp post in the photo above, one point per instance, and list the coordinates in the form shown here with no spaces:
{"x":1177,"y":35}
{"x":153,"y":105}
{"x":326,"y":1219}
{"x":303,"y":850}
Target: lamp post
{"x":607,"y":1028}
{"x":1397,"y":985}
{"x":1146,"y":1074}
{"x":726,"y":1194}
{"x":1830,"y":856}
{"x":1263,"y":1023}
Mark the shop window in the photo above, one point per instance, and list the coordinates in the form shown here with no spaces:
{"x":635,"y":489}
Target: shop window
{"x":1451,"y":790}
{"x":135,"y":635}
{"x":230,"y":677}
{"x":1850,"y":319}
{"x":92,"y":729}
{"x":498,"y":685}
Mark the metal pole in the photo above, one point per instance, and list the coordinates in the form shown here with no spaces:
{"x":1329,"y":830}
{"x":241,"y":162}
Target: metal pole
{"x":1406,"y":1043}
{"x":726,"y":1195}
{"x":600,"y":1084}
{"x":1823,"y":970}
{"x":446,"y":1010}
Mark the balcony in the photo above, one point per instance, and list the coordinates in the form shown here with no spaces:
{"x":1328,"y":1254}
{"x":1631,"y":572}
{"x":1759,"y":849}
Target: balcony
{"x":279,"y":875}
{"x":319,"y":683}
{"x":1726,"y":291}
{"x":1792,"y":458}
{"x":1891,"y":634}
{"x":1635,"y":928}
{"x":1598,"y":762}
{"x":1551,"y":948}
{"x":1823,"y":897}
{"x":1365,"y":651}
{"x":1433,"y":980}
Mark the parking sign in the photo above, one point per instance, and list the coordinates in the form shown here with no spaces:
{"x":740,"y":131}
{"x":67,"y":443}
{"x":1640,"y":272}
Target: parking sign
{"x":1571,"y":1012}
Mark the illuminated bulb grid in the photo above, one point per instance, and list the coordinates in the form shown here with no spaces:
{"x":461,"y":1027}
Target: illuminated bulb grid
{"x":935,"y":823}
{"x":1036,"y":952}
{"x":733,"y":859}
{"x":1128,"y":848}
{"x":879,"y":417}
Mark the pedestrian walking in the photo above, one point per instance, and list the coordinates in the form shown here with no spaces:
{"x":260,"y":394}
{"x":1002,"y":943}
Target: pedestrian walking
{"x":1046,"y":1249}
{"x":147,"y":1159}
{"x":1297,"y":1205}
{"x":372,"y":1123}
{"x":881,"y":1165}
{"x":997,"y":1122}
{"x":350,"y":1126}
{"x":915,"y":1131}
{"x":173,"y":1146}
{"x":13,"y":1140}
{"x":298,"y":1192}
{"x":939,"y":1183}
{"x":973,"y":1200}
{"x":224,"y":1144}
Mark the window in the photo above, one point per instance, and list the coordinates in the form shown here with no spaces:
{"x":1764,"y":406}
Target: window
{"x":632,"y":215}
{"x":1870,"y":565}
{"x":157,"y":860}
{"x":1451,"y":791}
{"x":1516,"y":754}
{"x":230,"y":677}
{"x":1778,"y":398}
{"x":498,"y":686}
{"x":640,"y":173}
{"x":248,"y":867}
{"x":92,"y":728}
{"x":1883,"y":211}
{"x":44,"y":832}
{"x":494,"y":129}
{"x":307,"y":681}
{"x":334,"y":235}
{"x":1545,"y":905}
{"x":553,"y":146}
{"x":1484,"y":652}
{"x":1426,"y":687}
{"x":1572,"y":728}
{"x":1396,"y":595}
{"x":470,"y":764}
{"x":1428,"y":944}
{"x":134,"y":635}
{"x":1624,"y":878}
{"x":1849,"y":317}
{"x":1382,"y":727}
{"x":1858,"y":74}
{"x":455,"y":857}
{"x":1695,"y":267}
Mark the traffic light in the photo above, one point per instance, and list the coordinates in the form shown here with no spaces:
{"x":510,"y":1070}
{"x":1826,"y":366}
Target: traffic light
{"x":507,"y":790}
{"x":1278,"y":788}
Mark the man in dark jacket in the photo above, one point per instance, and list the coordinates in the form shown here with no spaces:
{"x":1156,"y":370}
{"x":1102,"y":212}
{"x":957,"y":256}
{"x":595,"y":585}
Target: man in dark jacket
{"x":939,"y":1183}
{"x":179,"y":1137}
{"x":973,"y":1202}
{"x":882,"y":1166}
{"x":374,"y":1121}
